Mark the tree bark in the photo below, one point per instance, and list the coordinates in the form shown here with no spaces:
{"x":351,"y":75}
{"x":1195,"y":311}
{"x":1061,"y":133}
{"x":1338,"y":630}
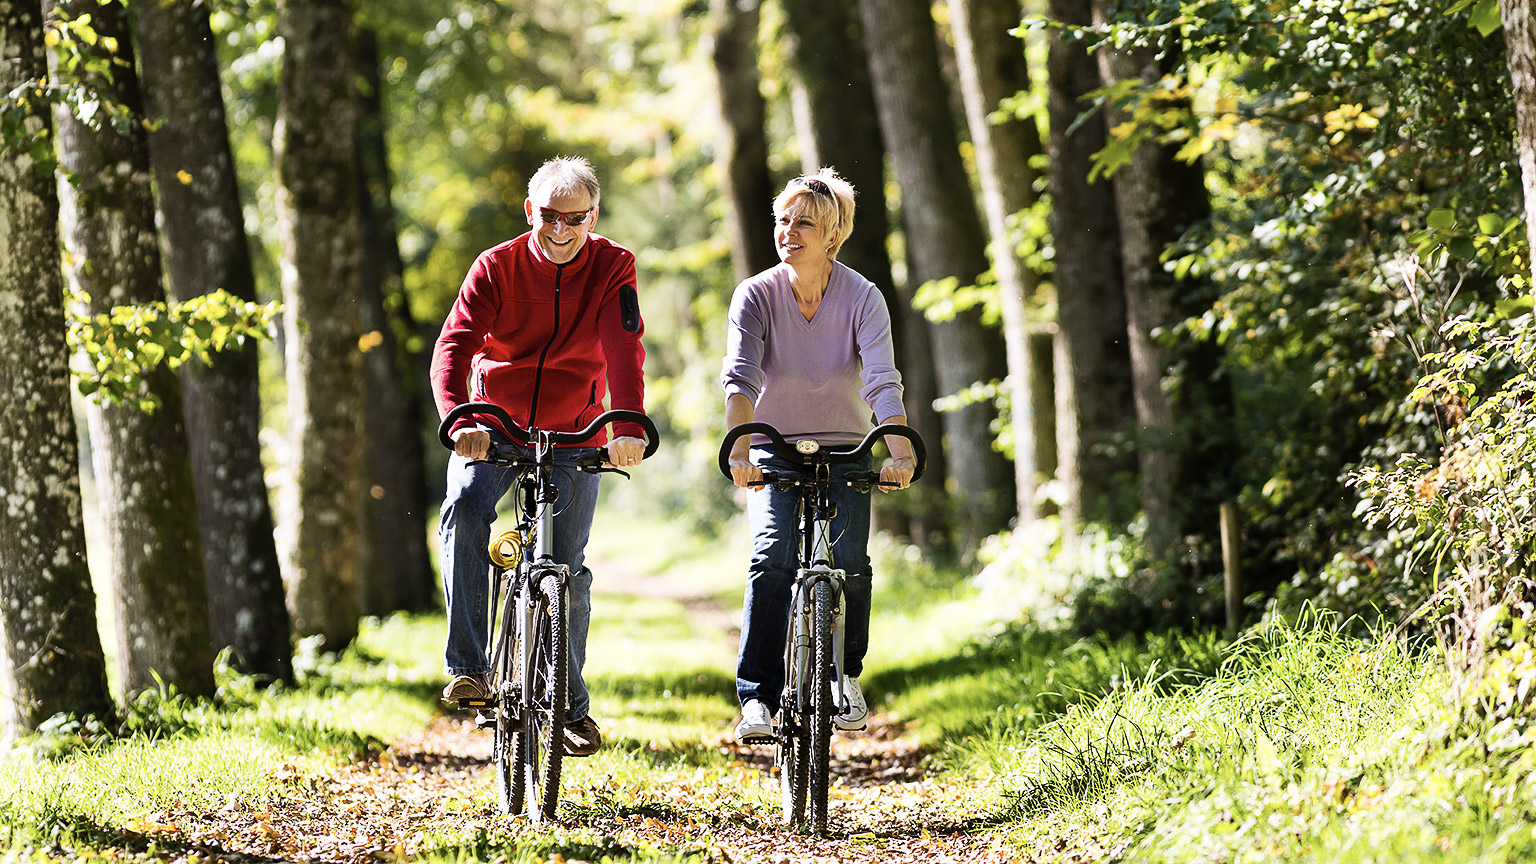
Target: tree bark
{"x":826,"y":49}
{"x":203,"y":233}
{"x":397,"y":569}
{"x":1157,"y":198}
{"x":322,"y":515}
{"x":991,"y":67}
{"x":742,"y":154}
{"x":944,"y":239}
{"x":1094,"y":406}
{"x":142,"y":461}
{"x":50,"y":653}
{"x":1520,"y":51}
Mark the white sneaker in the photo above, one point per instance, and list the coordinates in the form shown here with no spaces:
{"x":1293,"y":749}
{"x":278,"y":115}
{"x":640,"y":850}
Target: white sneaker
{"x":756,"y":723}
{"x":857,"y":715}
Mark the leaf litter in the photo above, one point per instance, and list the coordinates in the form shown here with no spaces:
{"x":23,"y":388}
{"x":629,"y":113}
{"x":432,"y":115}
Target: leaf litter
{"x":432,"y":792}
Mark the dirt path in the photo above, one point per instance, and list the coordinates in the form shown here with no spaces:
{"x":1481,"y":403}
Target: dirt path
{"x":427,"y":791}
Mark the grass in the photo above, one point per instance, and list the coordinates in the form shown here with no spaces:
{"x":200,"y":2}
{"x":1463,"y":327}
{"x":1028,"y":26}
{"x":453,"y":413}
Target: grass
{"x":1301,"y":742}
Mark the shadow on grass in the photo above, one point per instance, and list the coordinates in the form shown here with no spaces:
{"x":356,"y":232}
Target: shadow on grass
{"x":676,"y":683}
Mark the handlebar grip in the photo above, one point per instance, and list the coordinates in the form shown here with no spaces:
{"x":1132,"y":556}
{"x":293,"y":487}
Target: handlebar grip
{"x":785,"y":449}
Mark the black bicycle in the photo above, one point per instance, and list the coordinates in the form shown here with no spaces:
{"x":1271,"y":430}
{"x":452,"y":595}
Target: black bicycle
{"x":813,"y":650}
{"x":528,"y":612}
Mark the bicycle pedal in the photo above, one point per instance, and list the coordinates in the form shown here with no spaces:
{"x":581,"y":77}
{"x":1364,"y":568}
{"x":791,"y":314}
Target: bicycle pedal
{"x":760,"y":739}
{"x":476,"y":704}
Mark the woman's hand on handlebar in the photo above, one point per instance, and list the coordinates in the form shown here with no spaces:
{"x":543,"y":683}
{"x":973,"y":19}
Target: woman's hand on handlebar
{"x":626,"y":452}
{"x":745,"y":474}
{"x":472,"y":444}
{"x":897,"y":473}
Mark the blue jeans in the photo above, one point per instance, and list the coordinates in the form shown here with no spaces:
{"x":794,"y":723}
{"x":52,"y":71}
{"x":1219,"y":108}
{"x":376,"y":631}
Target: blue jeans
{"x":464,"y":532}
{"x":773,"y":518}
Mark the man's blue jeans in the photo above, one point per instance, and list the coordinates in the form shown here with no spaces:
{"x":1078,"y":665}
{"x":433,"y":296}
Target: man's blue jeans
{"x":773,"y":518}
{"x":464,"y":532}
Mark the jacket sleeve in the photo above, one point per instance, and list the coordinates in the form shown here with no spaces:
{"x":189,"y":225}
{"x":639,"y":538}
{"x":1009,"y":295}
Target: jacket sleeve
{"x":464,"y":332}
{"x":619,"y":327}
{"x":882,"y":388}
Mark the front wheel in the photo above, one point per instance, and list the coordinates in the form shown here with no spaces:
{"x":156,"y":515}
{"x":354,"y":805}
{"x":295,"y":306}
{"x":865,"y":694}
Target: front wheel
{"x":544,"y":698}
{"x":820,"y":721}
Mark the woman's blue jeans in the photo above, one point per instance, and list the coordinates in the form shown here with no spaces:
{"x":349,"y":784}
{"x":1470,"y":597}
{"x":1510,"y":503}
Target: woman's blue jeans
{"x":464,"y":533}
{"x":773,"y":518}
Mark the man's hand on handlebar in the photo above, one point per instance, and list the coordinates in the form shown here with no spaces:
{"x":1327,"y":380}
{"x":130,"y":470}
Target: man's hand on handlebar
{"x":626,"y":452}
{"x":472,"y":444}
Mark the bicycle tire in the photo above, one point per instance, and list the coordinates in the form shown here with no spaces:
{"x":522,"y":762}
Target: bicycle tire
{"x":506,"y":742}
{"x":544,"y":700}
{"x":820,"y":732}
{"x":793,"y":744}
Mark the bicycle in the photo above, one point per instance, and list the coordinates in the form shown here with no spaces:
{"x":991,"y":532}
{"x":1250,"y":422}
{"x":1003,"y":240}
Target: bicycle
{"x":813,"y":649}
{"x":528,"y":611}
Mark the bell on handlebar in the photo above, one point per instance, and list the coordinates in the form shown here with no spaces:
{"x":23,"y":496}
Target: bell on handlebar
{"x":807,"y":446}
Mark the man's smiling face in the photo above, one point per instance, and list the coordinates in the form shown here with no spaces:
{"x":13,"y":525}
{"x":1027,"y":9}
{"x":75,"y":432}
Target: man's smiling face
{"x":550,"y":214}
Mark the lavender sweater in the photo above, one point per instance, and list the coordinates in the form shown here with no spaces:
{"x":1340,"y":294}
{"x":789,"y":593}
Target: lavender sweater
{"x":816,"y":379}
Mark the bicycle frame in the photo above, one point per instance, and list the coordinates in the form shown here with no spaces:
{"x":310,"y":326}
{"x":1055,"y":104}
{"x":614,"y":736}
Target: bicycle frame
{"x":813,"y":651}
{"x":527,"y":613}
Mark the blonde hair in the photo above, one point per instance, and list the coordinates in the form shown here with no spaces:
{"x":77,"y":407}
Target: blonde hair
{"x":834,"y":210}
{"x":565,"y":175}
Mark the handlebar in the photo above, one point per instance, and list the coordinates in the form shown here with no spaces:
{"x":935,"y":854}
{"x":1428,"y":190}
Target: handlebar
{"x":824,"y":455}
{"x":524,"y":436}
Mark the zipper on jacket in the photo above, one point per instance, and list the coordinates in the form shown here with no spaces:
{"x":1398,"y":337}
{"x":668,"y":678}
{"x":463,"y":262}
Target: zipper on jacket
{"x":538,"y":374}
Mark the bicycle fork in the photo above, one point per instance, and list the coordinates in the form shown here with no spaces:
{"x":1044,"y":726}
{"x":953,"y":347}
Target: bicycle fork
{"x":806,"y":581}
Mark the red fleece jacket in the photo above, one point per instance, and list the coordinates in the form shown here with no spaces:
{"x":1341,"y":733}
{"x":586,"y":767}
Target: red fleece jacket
{"x":544,"y":341}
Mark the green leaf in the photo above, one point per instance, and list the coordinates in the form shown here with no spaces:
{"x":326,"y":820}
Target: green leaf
{"x":1463,"y":248}
{"x":1490,"y":224}
{"x":1442,"y":219}
{"x":1486,"y":17}
{"x":1515,"y":306}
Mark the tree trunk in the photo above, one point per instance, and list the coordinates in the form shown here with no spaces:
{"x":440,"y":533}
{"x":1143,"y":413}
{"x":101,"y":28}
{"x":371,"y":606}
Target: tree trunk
{"x":318,"y":223}
{"x":944,"y":239}
{"x":1157,"y":197}
{"x":142,"y":460}
{"x":826,"y":49}
{"x":1094,"y":406}
{"x":991,"y":67}
{"x":1520,"y":50}
{"x":50,"y":653}
{"x":397,"y":567}
{"x":203,"y":232}
{"x":742,"y":154}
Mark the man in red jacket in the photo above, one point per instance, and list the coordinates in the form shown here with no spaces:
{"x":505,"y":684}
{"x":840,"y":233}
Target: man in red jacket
{"x":545,"y":326}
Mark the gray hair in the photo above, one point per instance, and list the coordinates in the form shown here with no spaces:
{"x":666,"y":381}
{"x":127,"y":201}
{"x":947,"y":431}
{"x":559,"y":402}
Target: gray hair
{"x":565,"y":175}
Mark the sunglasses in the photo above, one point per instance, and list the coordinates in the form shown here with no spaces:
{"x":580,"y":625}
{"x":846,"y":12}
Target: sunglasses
{"x":572,"y":219}
{"x":817,"y":186}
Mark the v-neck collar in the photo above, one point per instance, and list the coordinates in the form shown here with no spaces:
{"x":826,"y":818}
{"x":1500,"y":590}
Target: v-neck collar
{"x":794,"y":302}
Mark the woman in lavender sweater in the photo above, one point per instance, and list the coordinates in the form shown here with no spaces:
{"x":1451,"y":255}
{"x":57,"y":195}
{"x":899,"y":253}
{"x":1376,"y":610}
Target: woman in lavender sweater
{"x":809,"y":352}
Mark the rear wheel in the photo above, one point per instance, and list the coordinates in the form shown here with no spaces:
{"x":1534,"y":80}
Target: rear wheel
{"x":544,"y":699}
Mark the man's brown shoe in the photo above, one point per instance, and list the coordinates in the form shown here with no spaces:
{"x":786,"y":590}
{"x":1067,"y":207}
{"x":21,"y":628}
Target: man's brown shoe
{"x":467,"y":687}
{"x":582,"y":737}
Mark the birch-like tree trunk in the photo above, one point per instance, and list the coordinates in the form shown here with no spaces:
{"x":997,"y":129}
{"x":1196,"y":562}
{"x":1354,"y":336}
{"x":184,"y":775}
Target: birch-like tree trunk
{"x":944,"y":238}
{"x":50,"y":653}
{"x":841,"y":129}
{"x":1094,"y":406}
{"x":991,"y":66}
{"x":742,"y":151}
{"x":1157,"y":198}
{"x":1520,"y":51}
{"x":142,"y":461}
{"x":322,"y":514}
{"x":203,"y":233}
{"x":397,"y":568}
